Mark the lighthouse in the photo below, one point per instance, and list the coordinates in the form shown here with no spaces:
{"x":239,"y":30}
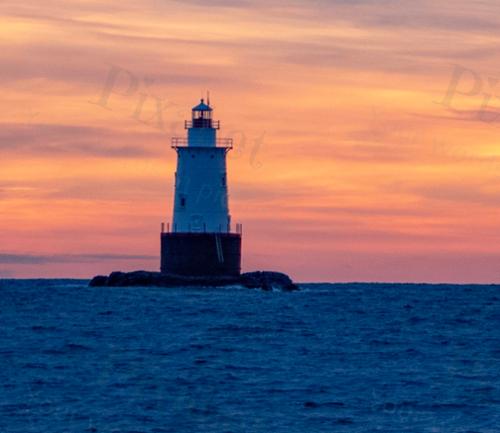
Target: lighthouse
{"x":201,"y":241}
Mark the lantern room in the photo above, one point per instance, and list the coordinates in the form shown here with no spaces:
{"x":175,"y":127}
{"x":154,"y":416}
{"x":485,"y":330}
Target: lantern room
{"x":202,"y":117}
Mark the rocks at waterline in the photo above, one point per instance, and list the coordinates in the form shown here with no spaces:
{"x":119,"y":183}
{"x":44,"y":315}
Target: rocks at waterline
{"x":252,"y":280}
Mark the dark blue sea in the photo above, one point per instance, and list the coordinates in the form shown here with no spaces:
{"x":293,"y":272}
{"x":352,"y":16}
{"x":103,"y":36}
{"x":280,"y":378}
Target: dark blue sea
{"x":330,"y":358}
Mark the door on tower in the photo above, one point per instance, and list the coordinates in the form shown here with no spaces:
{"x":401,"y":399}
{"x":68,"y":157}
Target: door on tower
{"x":197,"y":223}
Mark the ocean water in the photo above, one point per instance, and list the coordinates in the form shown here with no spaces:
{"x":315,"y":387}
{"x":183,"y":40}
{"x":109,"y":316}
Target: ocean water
{"x":330,"y":358}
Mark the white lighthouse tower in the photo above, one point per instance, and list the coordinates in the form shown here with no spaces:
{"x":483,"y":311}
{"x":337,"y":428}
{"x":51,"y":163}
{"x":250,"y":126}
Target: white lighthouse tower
{"x":200,"y":203}
{"x":200,"y":241}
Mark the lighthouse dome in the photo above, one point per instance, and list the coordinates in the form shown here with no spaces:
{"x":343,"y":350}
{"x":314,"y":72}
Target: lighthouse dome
{"x":202,"y":106}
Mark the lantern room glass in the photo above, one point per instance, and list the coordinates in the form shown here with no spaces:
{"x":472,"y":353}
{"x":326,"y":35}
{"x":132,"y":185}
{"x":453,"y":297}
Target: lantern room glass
{"x":202,"y":114}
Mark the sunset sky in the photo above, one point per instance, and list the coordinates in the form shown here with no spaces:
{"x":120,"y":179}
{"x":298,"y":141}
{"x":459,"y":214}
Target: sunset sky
{"x":367,"y":133}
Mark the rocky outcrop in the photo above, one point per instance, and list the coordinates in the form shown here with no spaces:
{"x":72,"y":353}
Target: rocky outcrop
{"x":252,"y":280}
{"x":267,"y":281}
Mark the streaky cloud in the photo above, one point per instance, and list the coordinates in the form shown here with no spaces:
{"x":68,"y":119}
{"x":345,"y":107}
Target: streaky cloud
{"x":34,"y":259}
{"x":49,"y":140}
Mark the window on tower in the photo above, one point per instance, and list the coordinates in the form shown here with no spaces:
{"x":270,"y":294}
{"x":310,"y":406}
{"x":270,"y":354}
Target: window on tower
{"x":202,"y":114}
{"x":183,"y":201}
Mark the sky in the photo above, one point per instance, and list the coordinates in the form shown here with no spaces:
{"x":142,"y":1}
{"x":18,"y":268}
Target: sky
{"x":366,"y":133}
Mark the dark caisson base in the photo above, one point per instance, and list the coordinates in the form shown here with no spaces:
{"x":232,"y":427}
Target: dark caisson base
{"x":201,"y":254}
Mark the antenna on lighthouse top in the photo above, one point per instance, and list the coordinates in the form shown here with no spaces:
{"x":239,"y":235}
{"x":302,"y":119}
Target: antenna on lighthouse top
{"x":208,"y":98}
